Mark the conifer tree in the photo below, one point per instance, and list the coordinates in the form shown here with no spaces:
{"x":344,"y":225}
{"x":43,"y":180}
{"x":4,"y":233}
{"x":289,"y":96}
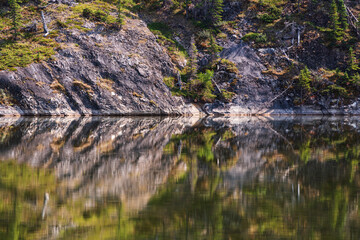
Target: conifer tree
{"x":15,"y":16}
{"x":214,"y":48}
{"x":121,"y":4}
{"x":120,"y":17}
{"x":343,"y":16}
{"x":336,"y":33}
{"x":216,"y":11}
{"x":353,"y":65}
{"x":305,"y":79}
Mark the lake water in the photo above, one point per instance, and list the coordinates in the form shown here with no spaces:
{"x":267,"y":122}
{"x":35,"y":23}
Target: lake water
{"x":180,"y":178}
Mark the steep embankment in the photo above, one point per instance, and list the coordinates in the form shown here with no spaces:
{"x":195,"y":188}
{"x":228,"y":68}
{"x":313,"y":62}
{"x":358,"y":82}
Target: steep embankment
{"x":98,"y":72}
{"x":266,"y":57}
{"x":151,"y":58}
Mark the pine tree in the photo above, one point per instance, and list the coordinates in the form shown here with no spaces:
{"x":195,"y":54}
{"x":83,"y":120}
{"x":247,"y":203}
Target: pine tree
{"x":15,"y":16}
{"x":353,"y":65}
{"x":120,"y":17}
{"x":216,"y":11}
{"x":305,"y":79}
{"x":214,"y":48}
{"x":121,"y":4}
{"x":343,"y":16}
{"x":336,"y":33}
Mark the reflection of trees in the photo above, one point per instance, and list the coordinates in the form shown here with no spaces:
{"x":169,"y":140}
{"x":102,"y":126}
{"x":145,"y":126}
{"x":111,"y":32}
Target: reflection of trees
{"x":155,"y":178}
{"x":21,"y":198}
{"x":326,"y":169}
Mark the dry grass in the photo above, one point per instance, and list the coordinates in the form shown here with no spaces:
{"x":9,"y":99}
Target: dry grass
{"x":83,"y":86}
{"x":135,"y":94}
{"x":105,"y":84}
{"x":6,"y":98}
{"x":57,"y":87}
{"x":153,"y":103}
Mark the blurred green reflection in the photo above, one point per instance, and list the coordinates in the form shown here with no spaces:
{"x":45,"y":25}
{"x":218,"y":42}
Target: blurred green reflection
{"x":153,"y":178}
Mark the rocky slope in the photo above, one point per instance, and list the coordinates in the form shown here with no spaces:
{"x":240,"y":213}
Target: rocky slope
{"x":101,"y":70}
{"x":98,"y":72}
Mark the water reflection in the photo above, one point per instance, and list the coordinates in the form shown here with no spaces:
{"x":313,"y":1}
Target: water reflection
{"x":179,"y":178}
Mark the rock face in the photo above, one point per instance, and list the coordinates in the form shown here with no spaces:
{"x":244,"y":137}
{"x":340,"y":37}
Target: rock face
{"x":96,"y":73}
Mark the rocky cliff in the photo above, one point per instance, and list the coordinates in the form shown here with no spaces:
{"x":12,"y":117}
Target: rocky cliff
{"x":154,"y":62}
{"x":97,"y":72}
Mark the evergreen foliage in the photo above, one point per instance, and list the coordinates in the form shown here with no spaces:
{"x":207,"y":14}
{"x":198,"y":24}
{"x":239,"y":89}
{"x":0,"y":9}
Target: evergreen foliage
{"x":120,"y":17}
{"x":352,"y":64}
{"x":216,"y":11}
{"x":15,"y":16}
{"x":305,"y":79}
{"x":121,"y":5}
{"x":214,"y":48}
{"x":202,"y":87}
{"x":336,"y":33}
{"x":343,"y":16}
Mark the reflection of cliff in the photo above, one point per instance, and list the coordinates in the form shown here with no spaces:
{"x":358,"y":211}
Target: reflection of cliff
{"x":124,"y":156}
{"x":276,"y":147}
{"x":97,"y":156}
{"x":211,"y":178}
{"x":282,"y":185}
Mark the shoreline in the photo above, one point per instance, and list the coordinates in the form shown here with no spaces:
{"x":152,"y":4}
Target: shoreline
{"x":199,"y":113}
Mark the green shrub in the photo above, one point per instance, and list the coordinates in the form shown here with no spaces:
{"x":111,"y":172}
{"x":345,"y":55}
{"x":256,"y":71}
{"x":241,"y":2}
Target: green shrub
{"x":355,"y":79}
{"x":229,"y":65}
{"x":169,"y":82}
{"x":352,"y":62}
{"x":100,"y":16}
{"x":201,"y":87}
{"x":272,"y":14}
{"x":163,"y":28}
{"x":87,"y":13}
{"x":226,"y":95}
{"x":204,"y":34}
{"x":305,"y":79}
{"x":97,"y":15}
{"x":337,"y":90}
{"x":256,"y":37}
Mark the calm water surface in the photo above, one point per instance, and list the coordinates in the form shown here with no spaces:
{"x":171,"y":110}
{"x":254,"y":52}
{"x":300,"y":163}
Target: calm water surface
{"x":179,"y":178}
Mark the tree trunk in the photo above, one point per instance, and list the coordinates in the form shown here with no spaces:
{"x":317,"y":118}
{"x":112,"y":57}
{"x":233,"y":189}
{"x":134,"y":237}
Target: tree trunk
{"x":44,"y":23}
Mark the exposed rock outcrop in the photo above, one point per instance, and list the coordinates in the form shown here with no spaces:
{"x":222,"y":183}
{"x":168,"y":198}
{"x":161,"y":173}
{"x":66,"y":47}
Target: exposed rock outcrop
{"x":96,"y":73}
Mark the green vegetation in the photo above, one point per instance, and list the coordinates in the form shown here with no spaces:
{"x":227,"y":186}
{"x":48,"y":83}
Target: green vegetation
{"x":256,"y":37}
{"x":302,"y":185}
{"x":15,"y":16}
{"x":21,"y":54}
{"x":343,"y":16}
{"x":353,"y":65}
{"x":21,"y":188}
{"x":272,"y":13}
{"x":216,"y":11}
{"x":305,"y":79}
{"x":201,"y":87}
{"x":193,"y":32}
{"x":337,"y":32}
{"x":121,"y":5}
{"x":166,"y":37}
{"x":19,"y":48}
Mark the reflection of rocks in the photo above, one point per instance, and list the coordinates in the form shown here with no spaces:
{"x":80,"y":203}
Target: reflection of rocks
{"x":96,"y":157}
{"x":273,"y":148}
{"x":123,"y":157}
